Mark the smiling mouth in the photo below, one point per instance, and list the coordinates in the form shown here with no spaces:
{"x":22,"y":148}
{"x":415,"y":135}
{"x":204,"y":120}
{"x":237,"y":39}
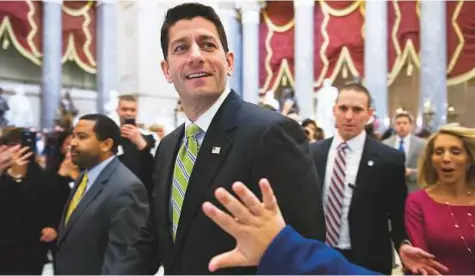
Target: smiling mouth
{"x":198,"y":75}
{"x":447,"y":170}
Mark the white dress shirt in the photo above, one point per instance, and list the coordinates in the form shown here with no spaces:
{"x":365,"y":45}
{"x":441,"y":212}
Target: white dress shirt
{"x":204,"y":121}
{"x":353,"y":158}
{"x":406,"y":144}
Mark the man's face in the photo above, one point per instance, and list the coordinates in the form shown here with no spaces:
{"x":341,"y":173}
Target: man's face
{"x":403,"y":126}
{"x":351,"y":113}
{"x":197,"y":64}
{"x":127,"y":110}
{"x":86,"y":150}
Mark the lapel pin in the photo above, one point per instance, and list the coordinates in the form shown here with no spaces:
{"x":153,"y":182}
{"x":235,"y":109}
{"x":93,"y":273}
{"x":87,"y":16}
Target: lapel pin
{"x":215,"y":150}
{"x":370,"y":163}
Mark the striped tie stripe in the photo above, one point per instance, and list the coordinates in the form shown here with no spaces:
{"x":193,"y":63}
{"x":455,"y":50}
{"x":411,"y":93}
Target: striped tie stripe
{"x":335,"y":196}
{"x":182,"y":172}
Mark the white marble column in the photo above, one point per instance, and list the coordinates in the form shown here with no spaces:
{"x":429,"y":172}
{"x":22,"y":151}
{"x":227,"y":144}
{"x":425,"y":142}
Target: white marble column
{"x":228,"y":14}
{"x":250,"y":11}
{"x":433,"y":85}
{"x":139,"y":57}
{"x":107,"y":78}
{"x":304,"y":51}
{"x":52,"y":52}
{"x":376,"y":58}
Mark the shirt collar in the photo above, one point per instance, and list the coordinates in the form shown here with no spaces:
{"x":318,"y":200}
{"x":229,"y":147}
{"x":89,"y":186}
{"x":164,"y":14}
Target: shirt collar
{"x":405,"y":139}
{"x":354,"y":144}
{"x":204,"y":121}
{"x":94,"y":172}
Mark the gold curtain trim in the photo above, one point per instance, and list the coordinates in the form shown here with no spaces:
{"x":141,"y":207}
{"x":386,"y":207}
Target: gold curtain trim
{"x":397,"y":23}
{"x":323,"y":49}
{"x":6,"y":28}
{"x":34,"y":29}
{"x":363,"y":13}
{"x":78,"y":12}
{"x":418,"y":9}
{"x":459,"y":34}
{"x":270,"y":34}
{"x":345,"y":56}
{"x":273,"y":28}
{"x":276,"y":28}
{"x":461,"y":78}
{"x":283,"y":69}
{"x":341,"y":12}
{"x":71,"y":54}
{"x":409,"y":52}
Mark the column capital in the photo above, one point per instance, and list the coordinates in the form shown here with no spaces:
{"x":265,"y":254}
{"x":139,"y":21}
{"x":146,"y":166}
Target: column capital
{"x":250,"y":10}
{"x":101,"y":2}
{"x":54,"y":1}
{"x":250,"y":5}
{"x":304,"y":3}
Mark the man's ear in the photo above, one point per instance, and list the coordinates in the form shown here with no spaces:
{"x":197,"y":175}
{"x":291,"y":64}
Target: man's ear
{"x":166,"y":70}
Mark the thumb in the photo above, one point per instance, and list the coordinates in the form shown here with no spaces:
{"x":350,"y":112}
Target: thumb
{"x":229,"y":259}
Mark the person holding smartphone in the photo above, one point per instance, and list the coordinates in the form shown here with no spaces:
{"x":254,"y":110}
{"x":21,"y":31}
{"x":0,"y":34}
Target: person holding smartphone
{"x":25,"y":213}
{"x":135,"y":147}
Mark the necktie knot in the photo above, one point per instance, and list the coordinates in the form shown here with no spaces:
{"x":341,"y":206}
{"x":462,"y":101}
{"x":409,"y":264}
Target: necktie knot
{"x":401,"y":145}
{"x":192,"y":130}
{"x":343,"y":146}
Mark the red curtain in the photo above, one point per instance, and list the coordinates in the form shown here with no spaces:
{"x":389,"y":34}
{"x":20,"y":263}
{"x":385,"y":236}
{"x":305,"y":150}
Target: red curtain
{"x":339,"y":40}
{"x":79,"y":34}
{"x":20,"y":22}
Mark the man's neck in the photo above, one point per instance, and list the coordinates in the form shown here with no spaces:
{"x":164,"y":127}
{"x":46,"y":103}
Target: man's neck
{"x":195,"y":108}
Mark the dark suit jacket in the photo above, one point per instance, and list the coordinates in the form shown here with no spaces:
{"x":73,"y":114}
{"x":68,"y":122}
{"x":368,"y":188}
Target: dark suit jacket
{"x":255,"y":143}
{"x":103,"y":225}
{"x":379,"y":195}
{"x":291,"y":254}
{"x":140,"y":162}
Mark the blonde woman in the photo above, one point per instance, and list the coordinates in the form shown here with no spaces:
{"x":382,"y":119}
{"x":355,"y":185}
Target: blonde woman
{"x":440,"y":218}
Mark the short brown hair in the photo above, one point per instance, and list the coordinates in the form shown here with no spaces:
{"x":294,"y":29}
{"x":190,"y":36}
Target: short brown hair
{"x":127,"y":98}
{"x":358,"y":87}
{"x":427,"y":176}
{"x":405,"y":114}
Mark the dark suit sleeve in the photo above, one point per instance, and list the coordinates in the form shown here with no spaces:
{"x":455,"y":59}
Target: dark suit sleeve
{"x":397,"y":194}
{"x":143,"y":256}
{"x":290,"y":253}
{"x":284,"y":159}
{"x":129,"y":213}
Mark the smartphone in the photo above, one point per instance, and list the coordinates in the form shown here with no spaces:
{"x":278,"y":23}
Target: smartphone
{"x":28,"y":139}
{"x":129,"y":121}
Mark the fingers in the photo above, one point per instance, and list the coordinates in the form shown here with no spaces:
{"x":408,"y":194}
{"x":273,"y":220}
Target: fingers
{"x":223,"y":220}
{"x":431,"y":271}
{"x":425,"y":254}
{"x":24,"y":158}
{"x":268,"y":197}
{"x":248,"y":198}
{"x":438,"y":266}
{"x":233,"y":205}
{"x":228,"y":259}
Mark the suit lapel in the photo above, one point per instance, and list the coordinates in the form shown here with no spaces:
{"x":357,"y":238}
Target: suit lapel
{"x":367,"y":162}
{"x":90,"y":195}
{"x":208,"y":162}
{"x":322,"y":160}
{"x":163,"y":192}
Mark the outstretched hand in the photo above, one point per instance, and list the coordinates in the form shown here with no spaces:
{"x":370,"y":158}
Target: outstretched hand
{"x":254,"y":224}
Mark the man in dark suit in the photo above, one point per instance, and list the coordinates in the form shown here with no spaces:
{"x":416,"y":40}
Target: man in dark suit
{"x":223,"y":140}
{"x":107,"y":206}
{"x":364,"y":186}
{"x":135,"y":147}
